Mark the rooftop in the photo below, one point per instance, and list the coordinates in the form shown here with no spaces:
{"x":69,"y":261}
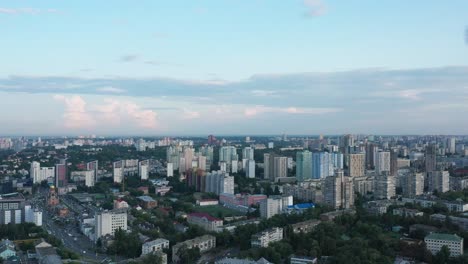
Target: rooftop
{"x":156,"y":241}
{"x":204,"y":215}
{"x":146,"y":198}
{"x":442,"y":236}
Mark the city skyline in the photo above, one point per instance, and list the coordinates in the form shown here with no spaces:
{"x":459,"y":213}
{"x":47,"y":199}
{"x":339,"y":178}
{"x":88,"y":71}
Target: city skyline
{"x":215,"y":67}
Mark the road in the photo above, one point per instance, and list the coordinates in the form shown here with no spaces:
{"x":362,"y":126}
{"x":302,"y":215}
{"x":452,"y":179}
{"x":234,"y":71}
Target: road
{"x":68,"y":233}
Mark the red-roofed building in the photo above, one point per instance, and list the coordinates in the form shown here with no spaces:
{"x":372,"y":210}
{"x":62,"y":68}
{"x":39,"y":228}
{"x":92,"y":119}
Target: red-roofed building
{"x":204,"y":221}
{"x":144,"y":189}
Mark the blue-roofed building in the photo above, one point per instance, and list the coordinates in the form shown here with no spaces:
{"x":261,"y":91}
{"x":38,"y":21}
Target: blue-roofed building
{"x":7,"y":249}
{"x":299,"y":208}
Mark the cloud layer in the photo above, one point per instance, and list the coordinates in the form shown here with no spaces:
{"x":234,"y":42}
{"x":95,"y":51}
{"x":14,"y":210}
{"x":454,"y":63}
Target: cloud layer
{"x":381,"y":100}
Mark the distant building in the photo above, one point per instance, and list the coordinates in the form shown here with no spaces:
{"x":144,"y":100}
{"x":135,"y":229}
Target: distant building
{"x":430,"y":159}
{"x":170,"y":169}
{"x":250,"y":169}
{"x":93,"y":166}
{"x":435,"y":241}
{"x":204,"y":243}
{"x":61,"y":174}
{"x":143,"y":169}
{"x":157,"y":245}
{"x":407,"y":212}
{"x":274,"y":205}
{"x":218,"y":182}
{"x":357,"y":164}
{"x":107,"y":222}
{"x":414,"y":184}
{"x":303,"y":165}
{"x":382,"y":162}
{"x":339,"y":191}
{"x":264,"y":238}
{"x":205,"y":221}
{"x":118,"y":171}
{"x":384,"y":186}
{"x":305,"y":227}
{"x":439,"y":180}
{"x":241,"y":261}
{"x":52,"y":197}
{"x":147,"y":202}
{"x":274,"y":166}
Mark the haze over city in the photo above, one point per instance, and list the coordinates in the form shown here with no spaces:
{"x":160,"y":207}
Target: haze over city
{"x":233,"y":67}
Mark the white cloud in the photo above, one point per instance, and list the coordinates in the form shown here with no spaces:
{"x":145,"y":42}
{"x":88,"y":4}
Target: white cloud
{"x":263,"y":93}
{"x":260,"y":109}
{"x":75,"y":114}
{"x":112,"y":112}
{"x":314,"y":8}
{"x":189,"y":114}
{"x":110,"y":89}
{"x":26,"y":10}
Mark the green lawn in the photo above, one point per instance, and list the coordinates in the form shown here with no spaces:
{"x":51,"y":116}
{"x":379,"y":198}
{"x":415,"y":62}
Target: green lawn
{"x":217,"y":211}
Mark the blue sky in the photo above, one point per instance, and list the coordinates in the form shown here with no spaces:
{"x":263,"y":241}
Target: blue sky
{"x":233,"y":66}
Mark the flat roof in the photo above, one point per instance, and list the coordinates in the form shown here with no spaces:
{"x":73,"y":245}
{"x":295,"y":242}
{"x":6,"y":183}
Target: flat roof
{"x":442,"y":236}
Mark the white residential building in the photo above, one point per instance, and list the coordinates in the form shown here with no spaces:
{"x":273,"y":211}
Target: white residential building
{"x":157,"y":245}
{"x":382,"y":162}
{"x":263,"y":239}
{"x":106,"y":222}
{"x":250,"y":169}
{"x":143,"y":169}
{"x":170,"y":169}
{"x":435,"y":241}
{"x":439,"y":180}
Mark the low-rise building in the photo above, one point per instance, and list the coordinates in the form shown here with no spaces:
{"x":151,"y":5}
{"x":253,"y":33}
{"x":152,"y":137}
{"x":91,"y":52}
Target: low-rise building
{"x":264,"y":238}
{"x":435,"y":241}
{"x":154,"y":246}
{"x":332,"y":215}
{"x":204,"y":243}
{"x":407,"y":212}
{"x":461,"y":222}
{"x":205,"y":221}
{"x":302,"y":260}
{"x":426,"y":202}
{"x":241,"y":261}
{"x":305,"y":227}
{"x":7,"y":249}
{"x":207,"y":202}
{"x":379,"y":207}
{"x":147,"y":202}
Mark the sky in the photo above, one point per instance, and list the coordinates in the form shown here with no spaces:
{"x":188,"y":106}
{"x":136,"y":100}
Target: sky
{"x":198,"y":67}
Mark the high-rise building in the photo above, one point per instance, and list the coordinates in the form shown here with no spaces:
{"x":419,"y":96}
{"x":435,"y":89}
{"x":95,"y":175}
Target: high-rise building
{"x":439,"y":180}
{"x":61,"y":177}
{"x":303,"y":165}
{"x":414,"y":184}
{"x":274,"y":166}
{"x":321,"y":166}
{"x":393,"y":162}
{"x":117,"y":171}
{"x":382,"y":162}
{"x":371,"y":150}
{"x":250,"y":169}
{"x":207,"y":151}
{"x":107,"y":222}
{"x":339,"y":191}
{"x":228,"y":154}
{"x":219,"y":182}
{"x":170,"y":169}
{"x":248,"y":153}
{"x":356,"y":165}
{"x":188,"y":158}
{"x":430,"y":161}
{"x":93,"y":166}
{"x":451,"y":142}
{"x":384,"y":186}
{"x":274,"y":205}
{"x":337,"y":160}
{"x":143,"y":169}
{"x":35,"y":172}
